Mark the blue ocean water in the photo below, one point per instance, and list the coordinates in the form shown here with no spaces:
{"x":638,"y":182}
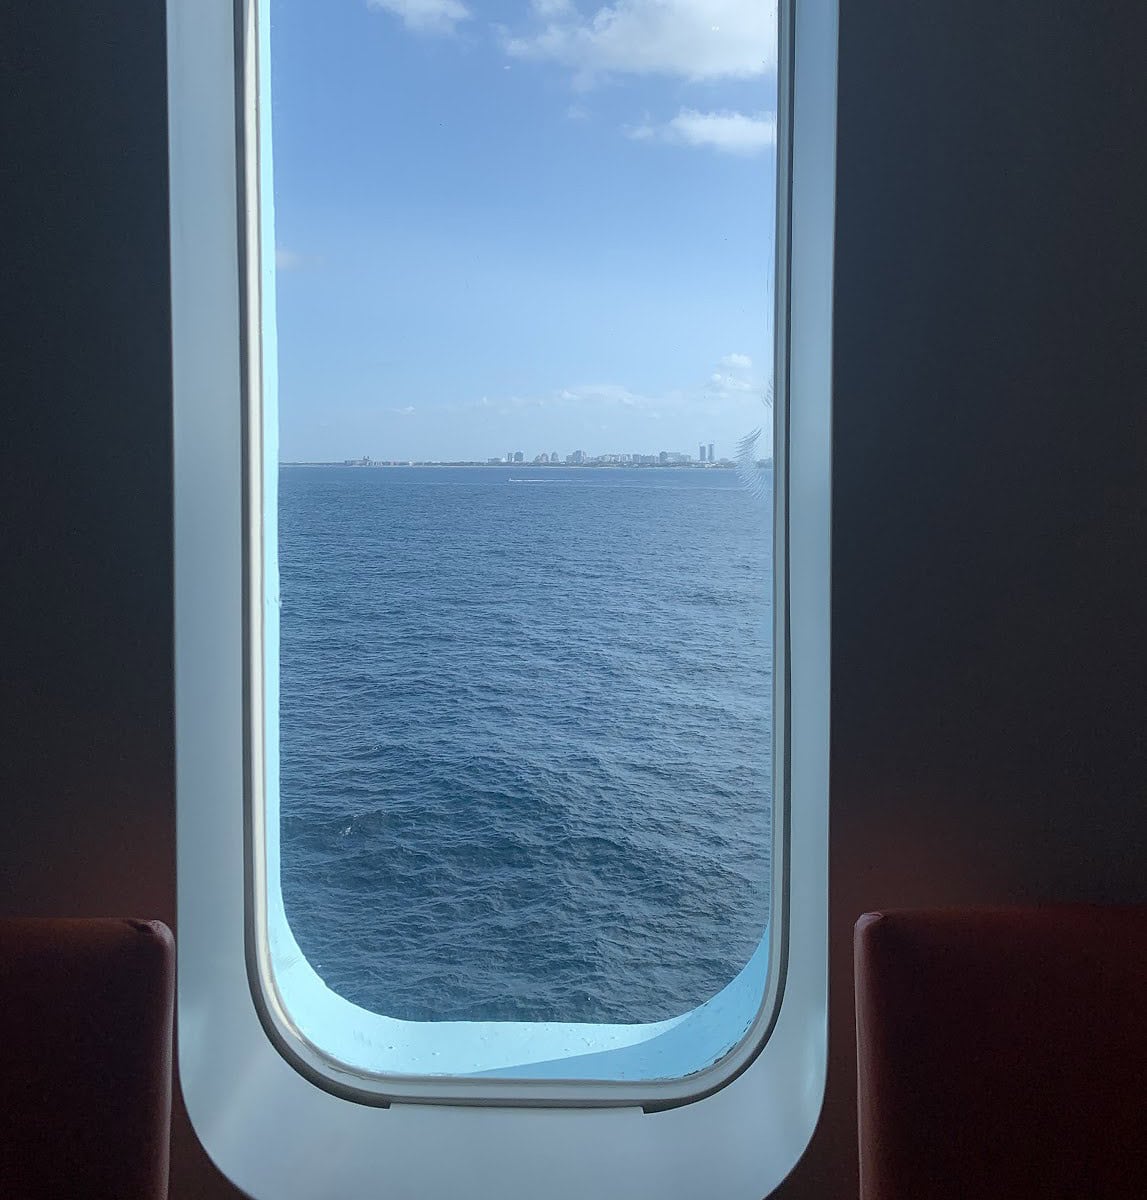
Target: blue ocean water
{"x":525,"y":736}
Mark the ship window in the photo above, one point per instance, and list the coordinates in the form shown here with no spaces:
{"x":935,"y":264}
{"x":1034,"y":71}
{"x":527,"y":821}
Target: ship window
{"x":518,"y":785}
{"x":502,"y":781}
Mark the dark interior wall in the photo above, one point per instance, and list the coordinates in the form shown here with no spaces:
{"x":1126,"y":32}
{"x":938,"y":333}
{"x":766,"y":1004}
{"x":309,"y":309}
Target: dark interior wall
{"x":87,"y":815}
{"x":990,"y":474}
{"x":85,"y":665}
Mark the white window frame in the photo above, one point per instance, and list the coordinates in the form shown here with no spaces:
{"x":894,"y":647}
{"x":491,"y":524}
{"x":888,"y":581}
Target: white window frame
{"x":282,"y":1124}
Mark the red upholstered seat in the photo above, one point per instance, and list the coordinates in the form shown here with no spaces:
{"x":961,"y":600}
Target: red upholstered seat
{"x":1003,"y":1053}
{"x":85,"y":1059}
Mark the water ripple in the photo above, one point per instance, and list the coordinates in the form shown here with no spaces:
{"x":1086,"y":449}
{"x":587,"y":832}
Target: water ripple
{"x":525,"y":739}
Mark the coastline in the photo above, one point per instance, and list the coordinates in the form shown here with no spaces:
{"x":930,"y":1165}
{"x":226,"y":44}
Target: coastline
{"x":723,"y":465}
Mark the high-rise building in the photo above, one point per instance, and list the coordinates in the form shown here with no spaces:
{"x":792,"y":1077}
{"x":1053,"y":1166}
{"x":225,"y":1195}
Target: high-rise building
{"x":518,"y":456}
{"x":553,"y":456}
{"x":711,"y":458}
{"x":701,"y":452}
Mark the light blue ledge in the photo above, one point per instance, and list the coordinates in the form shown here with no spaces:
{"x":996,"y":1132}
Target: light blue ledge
{"x":370,"y":1042}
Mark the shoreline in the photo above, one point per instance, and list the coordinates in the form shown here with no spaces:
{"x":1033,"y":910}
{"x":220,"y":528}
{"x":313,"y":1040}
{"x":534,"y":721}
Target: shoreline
{"x":723,"y":465}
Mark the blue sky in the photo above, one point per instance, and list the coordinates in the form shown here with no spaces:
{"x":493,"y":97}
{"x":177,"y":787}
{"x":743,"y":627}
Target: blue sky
{"x":522,"y":226}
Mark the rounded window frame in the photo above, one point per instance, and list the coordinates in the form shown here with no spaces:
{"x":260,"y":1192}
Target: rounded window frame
{"x":228,"y":1035}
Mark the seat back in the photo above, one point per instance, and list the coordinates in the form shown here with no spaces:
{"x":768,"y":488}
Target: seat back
{"x":85,"y":1058}
{"x":1002,"y":1053}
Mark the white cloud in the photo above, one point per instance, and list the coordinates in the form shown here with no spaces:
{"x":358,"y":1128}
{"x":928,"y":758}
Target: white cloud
{"x":645,"y":132}
{"x":728,"y":132}
{"x":694,"y":39}
{"x":287,"y":259}
{"x":403,"y":412}
{"x":602,"y":395}
{"x":731,"y":387}
{"x":733,"y":378}
{"x":425,"y":16}
{"x":733,"y":132}
{"x":724,"y":382}
{"x":607,"y":394}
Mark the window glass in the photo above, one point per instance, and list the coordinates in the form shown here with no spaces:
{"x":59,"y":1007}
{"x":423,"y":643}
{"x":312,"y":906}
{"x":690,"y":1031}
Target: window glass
{"x":519,"y":679}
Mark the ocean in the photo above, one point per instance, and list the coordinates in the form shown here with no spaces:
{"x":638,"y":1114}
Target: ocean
{"x":526,"y":736}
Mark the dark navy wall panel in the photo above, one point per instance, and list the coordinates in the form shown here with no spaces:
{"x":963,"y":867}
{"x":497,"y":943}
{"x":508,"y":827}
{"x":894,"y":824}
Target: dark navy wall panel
{"x":990,"y":505}
{"x":86,"y":766}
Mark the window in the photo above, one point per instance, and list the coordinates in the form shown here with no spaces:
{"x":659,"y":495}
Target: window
{"x":263,"y":1018}
{"x":518,"y":783}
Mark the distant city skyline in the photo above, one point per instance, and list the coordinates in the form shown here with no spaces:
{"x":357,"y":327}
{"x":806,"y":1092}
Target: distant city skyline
{"x":577,"y":457}
{"x":502,"y":224}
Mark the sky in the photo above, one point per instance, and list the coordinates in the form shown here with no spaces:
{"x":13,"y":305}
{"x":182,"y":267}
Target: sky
{"x":530,"y":226}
